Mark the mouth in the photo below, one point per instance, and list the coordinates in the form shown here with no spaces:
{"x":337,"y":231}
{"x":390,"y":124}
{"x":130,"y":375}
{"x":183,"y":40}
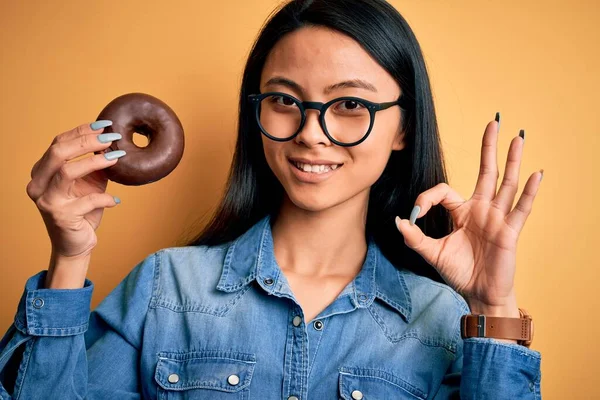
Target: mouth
{"x":318,"y":167}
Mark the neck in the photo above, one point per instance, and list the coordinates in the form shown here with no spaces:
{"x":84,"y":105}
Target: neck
{"x":318,"y":244}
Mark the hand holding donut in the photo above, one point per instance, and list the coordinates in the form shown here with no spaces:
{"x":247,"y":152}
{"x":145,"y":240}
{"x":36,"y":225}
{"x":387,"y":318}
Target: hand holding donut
{"x":70,"y":195}
{"x":478,"y":259}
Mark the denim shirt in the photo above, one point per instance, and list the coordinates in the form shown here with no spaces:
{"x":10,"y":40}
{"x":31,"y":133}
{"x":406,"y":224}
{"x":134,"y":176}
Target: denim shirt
{"x":222,"y":323}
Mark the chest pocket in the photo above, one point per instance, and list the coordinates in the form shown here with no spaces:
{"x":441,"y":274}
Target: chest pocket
{"x":374,"y":384}
{"x":218,"y":375}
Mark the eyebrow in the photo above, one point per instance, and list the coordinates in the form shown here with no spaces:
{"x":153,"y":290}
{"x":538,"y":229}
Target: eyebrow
{"x":353,"y":83}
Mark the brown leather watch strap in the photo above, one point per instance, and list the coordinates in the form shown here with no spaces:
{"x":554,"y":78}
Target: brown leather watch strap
{"x":520,"y":329}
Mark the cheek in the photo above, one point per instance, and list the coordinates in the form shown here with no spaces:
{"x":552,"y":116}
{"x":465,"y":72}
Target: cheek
{"x":367,"y":165}
{"x":274,"y":156}
{"x":371,"y":156}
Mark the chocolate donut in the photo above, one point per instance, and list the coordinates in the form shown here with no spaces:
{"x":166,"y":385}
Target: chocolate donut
{"x":144,"y":114}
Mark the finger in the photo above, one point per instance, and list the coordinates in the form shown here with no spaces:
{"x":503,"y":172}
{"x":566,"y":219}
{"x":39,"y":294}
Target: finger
{"x":517,"y":217}
{"x":85,"y":129}
{"x":488,"y":167}
{"x":68,"y":173}
{"x":510,"y":183}
{"x":57,"y":155}
{"x":442,"y":194}
{"x":414,"y":238}
{"x":93,"y":201}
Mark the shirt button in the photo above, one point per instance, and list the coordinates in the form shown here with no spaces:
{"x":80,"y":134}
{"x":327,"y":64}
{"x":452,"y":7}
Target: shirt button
{"x":293,"y":398}
{"x":318,"y":325}
{"x":233,"y":380}
{"x":173,"y":378}
{"x":268,"y":281}
{"x":357,"y":395}
{"x":38,"y":303}
{"x":297,"y":320}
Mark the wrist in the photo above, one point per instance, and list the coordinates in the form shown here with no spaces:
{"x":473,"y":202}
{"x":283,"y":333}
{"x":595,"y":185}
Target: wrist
{"x":506,"y":309}
{"x":67,"y":272}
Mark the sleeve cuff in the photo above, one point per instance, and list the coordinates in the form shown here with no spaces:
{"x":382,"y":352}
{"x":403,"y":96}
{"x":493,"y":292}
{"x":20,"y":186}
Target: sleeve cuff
{"x":489,"y":363}
{"x":53,"y":312}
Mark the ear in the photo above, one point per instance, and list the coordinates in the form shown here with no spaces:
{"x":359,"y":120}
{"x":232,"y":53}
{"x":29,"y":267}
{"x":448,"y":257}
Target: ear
{"x":398,"y":143}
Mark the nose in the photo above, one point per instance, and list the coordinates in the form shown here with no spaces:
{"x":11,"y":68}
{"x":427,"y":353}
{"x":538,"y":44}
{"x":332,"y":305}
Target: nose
{"x":312,"y":133}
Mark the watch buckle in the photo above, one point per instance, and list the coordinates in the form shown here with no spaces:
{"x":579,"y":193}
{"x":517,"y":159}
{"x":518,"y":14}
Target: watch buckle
{"x":481,"y":326}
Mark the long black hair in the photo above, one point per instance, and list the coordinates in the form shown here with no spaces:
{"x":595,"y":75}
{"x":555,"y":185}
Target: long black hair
{"x":253,"y":191}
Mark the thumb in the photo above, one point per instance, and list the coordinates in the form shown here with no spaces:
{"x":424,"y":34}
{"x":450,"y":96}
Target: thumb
{"x":414,"y":238}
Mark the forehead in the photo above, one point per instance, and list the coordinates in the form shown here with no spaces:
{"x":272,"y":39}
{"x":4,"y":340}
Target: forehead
{"x":316,"y":57}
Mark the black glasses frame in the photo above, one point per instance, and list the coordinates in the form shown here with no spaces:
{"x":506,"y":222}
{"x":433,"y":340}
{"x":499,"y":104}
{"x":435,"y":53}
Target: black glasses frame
{"x":256,"y":99}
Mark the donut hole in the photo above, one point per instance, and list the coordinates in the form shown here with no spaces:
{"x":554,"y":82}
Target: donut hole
{"x":140,"y":139}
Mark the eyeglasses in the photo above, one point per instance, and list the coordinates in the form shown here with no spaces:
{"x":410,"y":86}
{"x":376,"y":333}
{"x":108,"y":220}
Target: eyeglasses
{"x":346,"y":121}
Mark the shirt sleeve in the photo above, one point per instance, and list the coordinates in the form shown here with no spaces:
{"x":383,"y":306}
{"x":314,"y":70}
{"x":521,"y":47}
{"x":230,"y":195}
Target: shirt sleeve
{"x":57,"y":349}
{"x":498,"y":370}
{"x":489,"y":369}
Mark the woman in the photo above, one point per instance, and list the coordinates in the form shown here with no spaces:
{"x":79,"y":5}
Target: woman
{"x":302,"y":286}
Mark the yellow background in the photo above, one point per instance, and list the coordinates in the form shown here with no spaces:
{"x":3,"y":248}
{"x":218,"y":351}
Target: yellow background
{"x":536,"y":62}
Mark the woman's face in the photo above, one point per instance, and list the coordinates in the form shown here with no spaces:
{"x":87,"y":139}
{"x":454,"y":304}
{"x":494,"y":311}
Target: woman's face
{"x":318,"y":64}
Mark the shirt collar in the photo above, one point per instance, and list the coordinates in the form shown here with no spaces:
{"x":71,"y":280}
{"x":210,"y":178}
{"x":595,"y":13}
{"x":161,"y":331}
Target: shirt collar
{"x":251,"y":257}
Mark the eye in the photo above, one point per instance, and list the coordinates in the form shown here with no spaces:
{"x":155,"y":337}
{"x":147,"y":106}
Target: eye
{"x":282,"y":100}
{"x":349,"y":107}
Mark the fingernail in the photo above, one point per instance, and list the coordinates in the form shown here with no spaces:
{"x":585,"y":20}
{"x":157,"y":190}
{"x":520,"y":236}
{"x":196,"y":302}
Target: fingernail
{"x":397,"y":221}
{"x":542,"y":177}
{"x":414,"y":213}
{"x":103,"y":123}
{"x":522,"y":134}
{"x":117,"y":200}
{"x":114,"y":154}
{"x":498,"y":120}
{"x":109,"y":137}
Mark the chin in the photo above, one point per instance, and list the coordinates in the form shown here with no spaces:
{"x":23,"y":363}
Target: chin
{"x":323,"y":200}
{"x":311,"y":202}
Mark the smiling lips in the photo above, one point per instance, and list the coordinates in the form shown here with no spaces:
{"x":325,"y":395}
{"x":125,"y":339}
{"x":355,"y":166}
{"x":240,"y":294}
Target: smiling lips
{"x":315,"y":167}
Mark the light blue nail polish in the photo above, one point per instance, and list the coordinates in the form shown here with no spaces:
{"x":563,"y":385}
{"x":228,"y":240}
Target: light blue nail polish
{"x":114,"y":154}
{"x":414,"y":213}
{"x":103,"y":123}
{"x":117,"y":200}
{"x":109,"y":137}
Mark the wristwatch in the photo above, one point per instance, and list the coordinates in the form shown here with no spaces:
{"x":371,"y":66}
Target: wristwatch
{"x":519,"y":329}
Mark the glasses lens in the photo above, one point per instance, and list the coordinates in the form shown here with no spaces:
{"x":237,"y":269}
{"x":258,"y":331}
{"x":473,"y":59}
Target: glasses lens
{"x":347,"y":120}
{"x":280,"y":116}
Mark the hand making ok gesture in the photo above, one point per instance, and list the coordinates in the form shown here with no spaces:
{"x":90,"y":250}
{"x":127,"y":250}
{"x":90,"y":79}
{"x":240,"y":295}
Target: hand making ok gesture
{"x":478,"y":259}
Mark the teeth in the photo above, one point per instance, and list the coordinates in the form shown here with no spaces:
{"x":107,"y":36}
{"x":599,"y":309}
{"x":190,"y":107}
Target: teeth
{"x":315,"y":169}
